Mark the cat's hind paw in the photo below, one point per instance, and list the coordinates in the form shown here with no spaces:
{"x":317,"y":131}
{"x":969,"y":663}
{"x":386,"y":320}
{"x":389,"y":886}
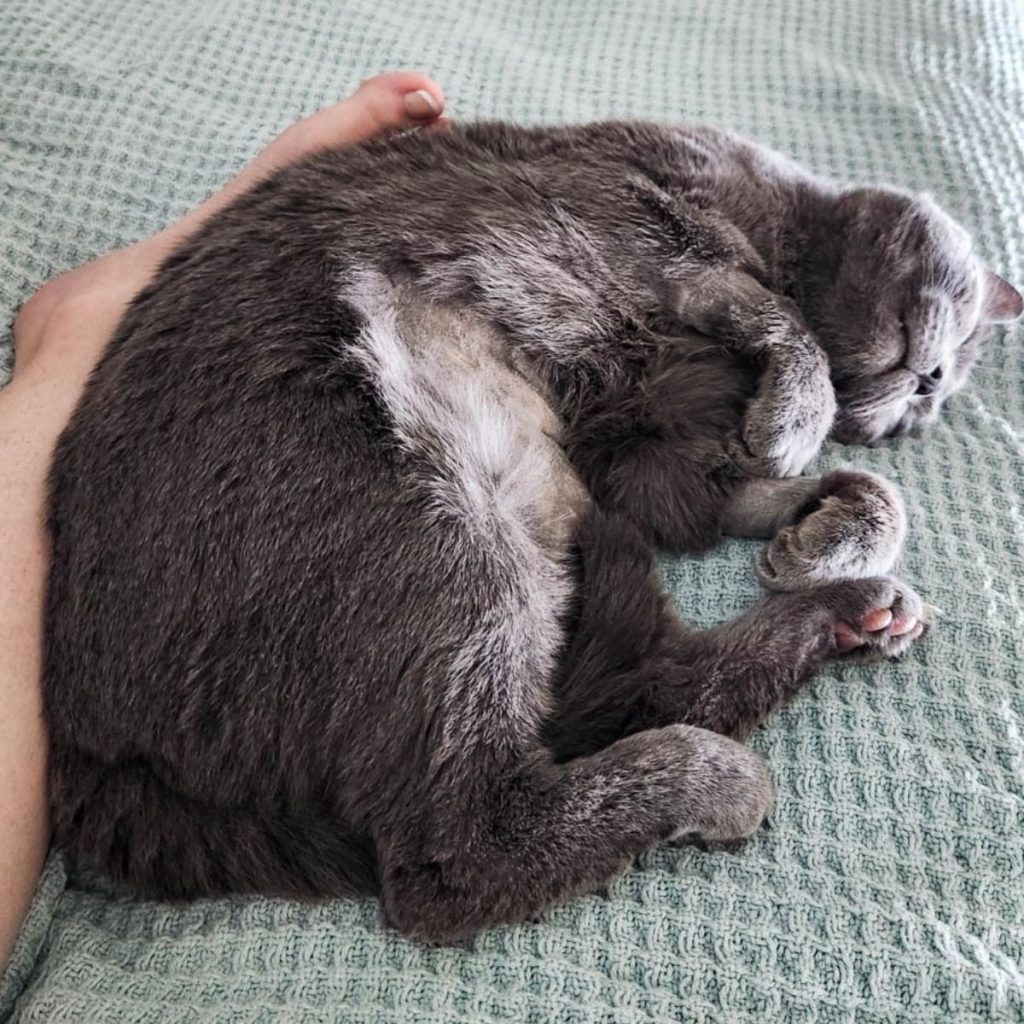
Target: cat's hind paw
{"x":853,"y":527}
{"x":735,"y":789}
{"x":880,"y":617}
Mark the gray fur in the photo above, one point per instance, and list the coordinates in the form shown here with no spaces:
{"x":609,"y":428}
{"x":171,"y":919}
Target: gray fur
{"x":847,"y":525}
{"x":854,"y":529}
{"x":762,"y":507}
{"x":352,"y":583}
{"x":789,"y":418}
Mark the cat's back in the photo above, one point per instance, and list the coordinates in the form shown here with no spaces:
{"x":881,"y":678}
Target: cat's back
{"x":248,"y":445}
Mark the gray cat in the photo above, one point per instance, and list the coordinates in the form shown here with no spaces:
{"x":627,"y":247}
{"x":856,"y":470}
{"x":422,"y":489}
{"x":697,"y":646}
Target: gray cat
{"x":352,"y":581}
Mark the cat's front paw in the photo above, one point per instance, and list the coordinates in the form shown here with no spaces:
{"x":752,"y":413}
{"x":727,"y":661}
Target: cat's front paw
{"x":854,"y":527}
{"x":881,"y":616}
{"x":773,"y":450}
{"x":786,"y":424}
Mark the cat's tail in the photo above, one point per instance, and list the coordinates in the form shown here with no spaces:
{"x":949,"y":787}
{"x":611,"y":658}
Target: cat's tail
{"x":125,"y":824}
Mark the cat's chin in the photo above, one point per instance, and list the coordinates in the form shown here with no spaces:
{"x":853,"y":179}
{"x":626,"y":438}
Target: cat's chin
{"x":851,"y":430}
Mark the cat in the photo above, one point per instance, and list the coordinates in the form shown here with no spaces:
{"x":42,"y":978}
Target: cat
{"x":352,"y":580}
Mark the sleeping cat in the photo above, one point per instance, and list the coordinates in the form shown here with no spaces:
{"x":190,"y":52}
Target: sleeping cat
{"x":352,"y":581}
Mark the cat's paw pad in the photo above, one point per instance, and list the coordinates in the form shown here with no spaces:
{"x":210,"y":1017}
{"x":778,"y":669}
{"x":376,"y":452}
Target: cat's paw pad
{"x":853,"y":528}
{"x":882,"y":617}
{"x":732,"y":789}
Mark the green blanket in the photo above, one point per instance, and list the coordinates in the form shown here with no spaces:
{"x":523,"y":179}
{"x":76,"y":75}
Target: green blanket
{"x":892,"y":884}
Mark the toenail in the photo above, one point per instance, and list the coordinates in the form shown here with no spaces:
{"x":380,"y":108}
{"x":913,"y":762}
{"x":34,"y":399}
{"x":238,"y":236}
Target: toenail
{"x":876,"y":620}
{"x":421,"y":106}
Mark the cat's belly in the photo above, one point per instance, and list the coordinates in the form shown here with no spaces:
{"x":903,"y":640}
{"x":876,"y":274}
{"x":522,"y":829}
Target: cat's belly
{"x":457,"y":394}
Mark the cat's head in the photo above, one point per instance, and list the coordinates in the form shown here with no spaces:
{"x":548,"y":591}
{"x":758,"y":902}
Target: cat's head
{"x":903,"y":311}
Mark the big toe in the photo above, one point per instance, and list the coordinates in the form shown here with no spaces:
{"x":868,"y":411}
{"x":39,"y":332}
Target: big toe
{"x":399,"y":100}
{"x":402,"y":99}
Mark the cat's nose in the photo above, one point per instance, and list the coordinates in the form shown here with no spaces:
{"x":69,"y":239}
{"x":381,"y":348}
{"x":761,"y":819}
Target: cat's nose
{"x":928,"y":382}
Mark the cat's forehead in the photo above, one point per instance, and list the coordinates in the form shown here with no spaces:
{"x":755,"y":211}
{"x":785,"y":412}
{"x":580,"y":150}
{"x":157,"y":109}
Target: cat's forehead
{"x":932,"y":251}
{"x":944,"y":239}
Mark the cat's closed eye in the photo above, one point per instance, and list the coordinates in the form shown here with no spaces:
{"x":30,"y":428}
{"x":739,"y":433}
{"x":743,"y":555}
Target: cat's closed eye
{"x":904,"y":352}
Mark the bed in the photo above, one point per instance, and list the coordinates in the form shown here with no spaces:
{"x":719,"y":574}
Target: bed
{"x":891,"y":886}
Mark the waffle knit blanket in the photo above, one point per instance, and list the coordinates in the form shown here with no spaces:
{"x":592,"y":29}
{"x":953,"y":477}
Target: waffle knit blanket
{"x":891,"y":887}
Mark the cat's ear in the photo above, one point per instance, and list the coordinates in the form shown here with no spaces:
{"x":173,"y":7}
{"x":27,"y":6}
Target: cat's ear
{"x":1002,"y":302}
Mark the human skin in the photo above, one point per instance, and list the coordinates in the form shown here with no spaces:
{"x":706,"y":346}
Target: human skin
{"x":59,"y":336}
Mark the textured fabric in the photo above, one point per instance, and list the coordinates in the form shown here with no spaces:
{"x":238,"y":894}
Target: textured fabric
{"x":891,"y":885}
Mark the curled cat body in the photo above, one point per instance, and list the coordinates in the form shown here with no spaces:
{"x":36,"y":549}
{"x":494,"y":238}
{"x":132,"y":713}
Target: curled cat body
{"x":353,"y":586}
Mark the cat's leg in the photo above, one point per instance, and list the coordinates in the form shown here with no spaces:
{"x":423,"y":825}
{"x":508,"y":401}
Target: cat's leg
{"x":673,"y":451}
{"x":502,"y":848}
{"x":632,"y":664}
{"x":652,"y":451}
{"x":642,"y":458}
{"x":849,"y":524}
{"x":792,"y":412}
